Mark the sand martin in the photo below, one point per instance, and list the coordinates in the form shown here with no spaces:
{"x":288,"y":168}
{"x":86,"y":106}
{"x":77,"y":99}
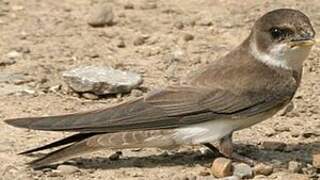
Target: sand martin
{"x":242,"y":88}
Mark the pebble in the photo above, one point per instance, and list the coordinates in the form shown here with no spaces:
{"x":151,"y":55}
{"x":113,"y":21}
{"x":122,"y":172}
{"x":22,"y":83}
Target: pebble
{"x":120,"y":43}
{"x":101,"y":15}
{"x":7,"y":62}
{"x":115,"y":156}
{"x":204,"y":22}
{"x":231,"y":178}
{"x":282,"y":129}
{"x":13,"y":55}
{"x":179,"y":25}
{"x":136,"y":93}
{"x":316,"y":160}
{"x":275,"y":146}
{"x":67,"y":169}
{"x":242,"y":170}
{"x":128,"y":5}
{"x":139,"y":41}
{"x":309,"y":134}
{"x":294,"y":167}
{"x":188,"y":37}
{"x":260,"y":177}
{"x":101,"y":80}
{"x":221,"y":167}
{"x":204,"y":173}
{"x":147,"y":6}
{"x":23,"y":49}
{"x":90,"y":96}
{"x":262,"y":169}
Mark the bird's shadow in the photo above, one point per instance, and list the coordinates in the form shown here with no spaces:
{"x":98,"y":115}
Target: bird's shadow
{"x":277,"y":157}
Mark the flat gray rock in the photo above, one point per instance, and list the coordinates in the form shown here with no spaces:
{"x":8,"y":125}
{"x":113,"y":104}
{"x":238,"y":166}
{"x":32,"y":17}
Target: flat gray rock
{"x":101,"y":80}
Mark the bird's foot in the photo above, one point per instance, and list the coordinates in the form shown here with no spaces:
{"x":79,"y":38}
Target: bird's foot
{"x":226,"y":148}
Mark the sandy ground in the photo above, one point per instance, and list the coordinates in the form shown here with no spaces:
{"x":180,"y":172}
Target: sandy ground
{"x":53,"y":36}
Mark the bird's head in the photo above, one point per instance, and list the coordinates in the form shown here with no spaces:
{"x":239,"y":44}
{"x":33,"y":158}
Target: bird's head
{"x":282,"y":38}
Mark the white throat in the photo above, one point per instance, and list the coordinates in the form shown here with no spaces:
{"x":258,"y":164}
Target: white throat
{"x":280,"y":55}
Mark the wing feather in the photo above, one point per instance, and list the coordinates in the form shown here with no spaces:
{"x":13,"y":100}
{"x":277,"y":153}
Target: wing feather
{"x":172,"y":107}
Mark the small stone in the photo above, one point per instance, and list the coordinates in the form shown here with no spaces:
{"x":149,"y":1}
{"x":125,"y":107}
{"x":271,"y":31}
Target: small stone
{"x":139,"y":41}
{"x":262,"y":169}
{"x":120,"y":43}
{"x":101,"y":15}
{"x":275,"y":146}
{"x":204,"y":173}
{"x":282,"y":129}
{"x":148,"y":5}
{"x":309,"y":134}
{"x":13,"y":55}
{"x":67,"y":169}
{"x":231,"y":178}
{"x":115,"y":156}
{"x":188,"y":37}
{"x":136,"y":93}
{"x":294,"y":167}
{"x":205,"y":22}
{"x":23,"y":49}
{"x":179,"y":25}
{"x":270,"y":133}
{"x":242,"y":170}
{"x":128,"y":5}
{"x":221,"y":167}
{"x":316,"y":160}
{"x":260,"y":177}
{"x":90,"y":96}
{"x":101,"y":80}
{"x":295,"y":134}
{"x":23,"y":35}
{"x":7,"y":62}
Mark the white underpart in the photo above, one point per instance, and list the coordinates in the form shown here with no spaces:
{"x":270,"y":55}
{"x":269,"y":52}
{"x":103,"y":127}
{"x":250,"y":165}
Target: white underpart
{"x":281,"y":55}
{"x":212,"y":130}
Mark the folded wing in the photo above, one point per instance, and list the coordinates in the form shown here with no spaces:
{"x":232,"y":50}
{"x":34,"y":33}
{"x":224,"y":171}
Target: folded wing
{"x":172,"y":107}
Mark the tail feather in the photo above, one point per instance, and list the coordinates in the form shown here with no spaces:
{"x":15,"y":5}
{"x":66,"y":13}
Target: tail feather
{"x":71,"y":139}
{"x":65,"y":153}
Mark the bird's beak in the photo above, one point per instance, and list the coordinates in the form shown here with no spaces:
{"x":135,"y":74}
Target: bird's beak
{"x":302,"y":42}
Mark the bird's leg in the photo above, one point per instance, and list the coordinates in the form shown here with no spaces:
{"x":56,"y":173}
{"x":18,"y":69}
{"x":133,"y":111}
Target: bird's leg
{"x":226,"y":148}
{"x":214,"y":150}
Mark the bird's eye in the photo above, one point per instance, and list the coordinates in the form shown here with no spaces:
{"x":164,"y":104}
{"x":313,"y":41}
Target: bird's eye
{"x":276,"y":33}
{"x":279,"y":33}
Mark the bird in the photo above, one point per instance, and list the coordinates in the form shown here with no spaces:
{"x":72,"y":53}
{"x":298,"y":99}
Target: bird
{"x":246,"y":86}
